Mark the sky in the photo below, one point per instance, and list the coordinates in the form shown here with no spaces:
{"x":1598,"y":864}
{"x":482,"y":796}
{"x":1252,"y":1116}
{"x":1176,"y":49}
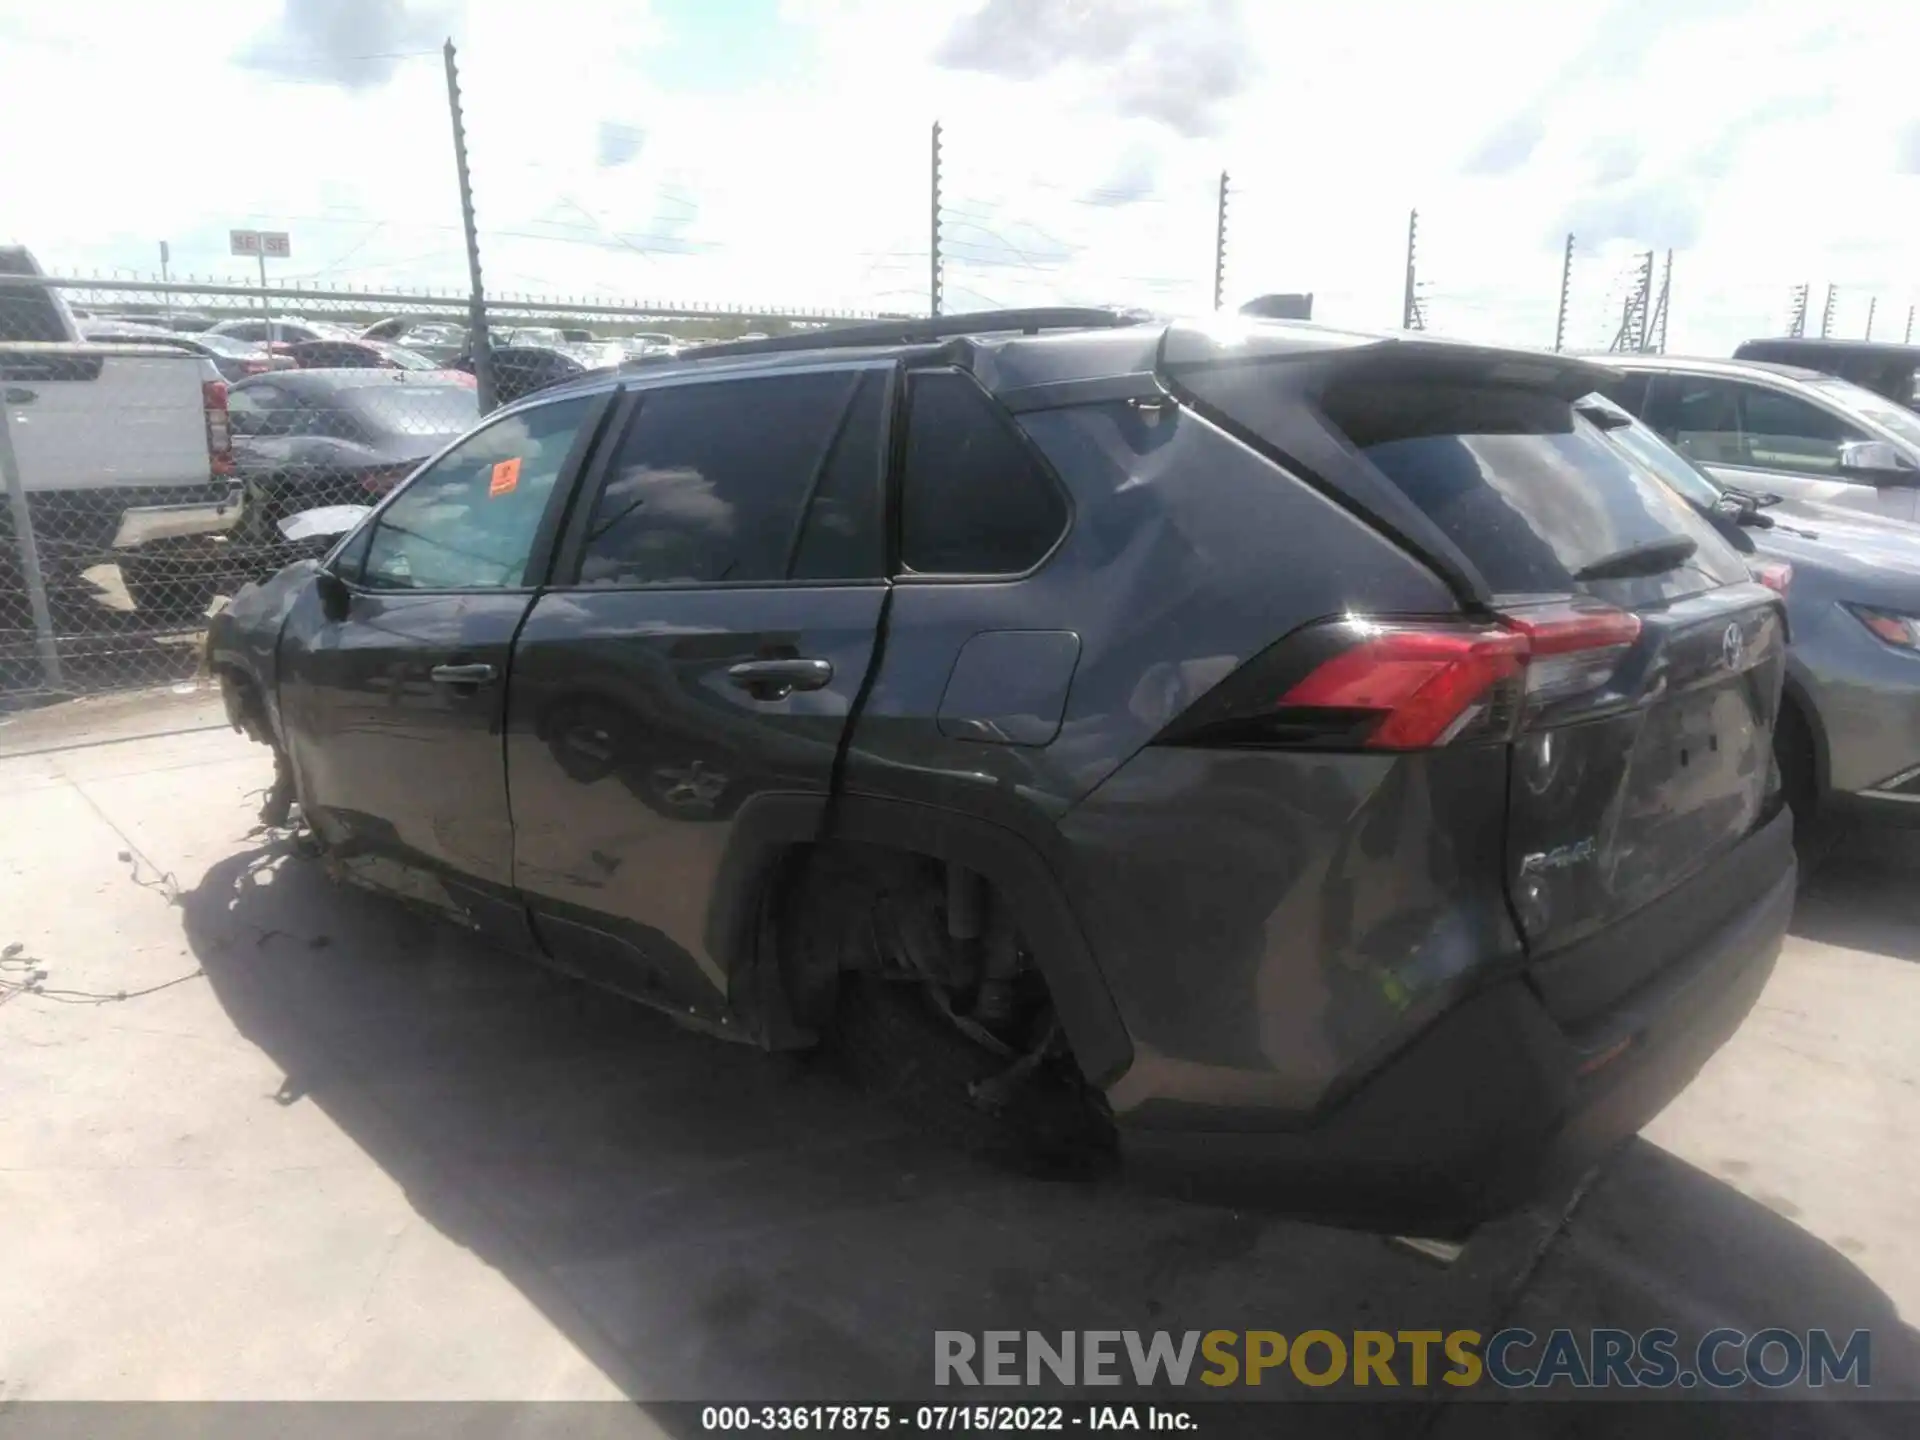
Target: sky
{"x":778,"y":152}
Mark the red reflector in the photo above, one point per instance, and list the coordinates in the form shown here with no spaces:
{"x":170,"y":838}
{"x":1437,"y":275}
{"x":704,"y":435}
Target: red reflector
{"x":1776,"y":575}
{"x":1556,"y":632}
{"x":1427,"y":682}
{"x":213,"y":400}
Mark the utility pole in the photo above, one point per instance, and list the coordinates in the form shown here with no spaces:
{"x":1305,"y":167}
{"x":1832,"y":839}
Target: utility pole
{"x":933,"y":245}
{"x":1826,"y":315}
{"x":1410,"y":316}
{"x":1907,"y":339}
{"x":1220,"y":246}
{"x":1797,"y":314}
{"x":1656,"y":337}
{"x":1566,"y":291}
{"x":478,"y":346}
{"x":166,"y":296}
{"x":1873,"y":302}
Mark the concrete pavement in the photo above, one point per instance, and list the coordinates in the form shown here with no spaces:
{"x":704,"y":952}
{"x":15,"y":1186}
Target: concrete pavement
{"x":346,"y":1153}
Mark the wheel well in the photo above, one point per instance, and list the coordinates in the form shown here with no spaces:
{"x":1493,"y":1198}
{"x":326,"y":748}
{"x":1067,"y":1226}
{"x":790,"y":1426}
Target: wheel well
{"x":777,"y":857}
{"x":826,"y":907}
{"x":1795,"y":710}
{"x":246,"y":706}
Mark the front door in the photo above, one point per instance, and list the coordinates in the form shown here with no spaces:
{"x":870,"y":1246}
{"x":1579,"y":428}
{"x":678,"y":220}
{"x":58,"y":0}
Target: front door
{"x":713,"y":619}
{"x":394,"y":703}
{"x":1761,"y":438}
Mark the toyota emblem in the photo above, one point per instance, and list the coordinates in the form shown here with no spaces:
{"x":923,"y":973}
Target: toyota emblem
{"x":1732,"y":646}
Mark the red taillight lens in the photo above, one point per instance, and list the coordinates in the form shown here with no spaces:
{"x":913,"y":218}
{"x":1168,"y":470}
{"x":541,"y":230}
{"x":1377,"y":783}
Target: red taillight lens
{"x":1776,"y":575}
{"x":1360,"y":684}
{"x":1426,"y":685}
{"x":213,"y":401}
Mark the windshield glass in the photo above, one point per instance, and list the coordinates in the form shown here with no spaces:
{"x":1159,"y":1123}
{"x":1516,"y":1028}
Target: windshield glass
{"x":1869,"y":406}
{"x":415,"y":409}
{"x":407,"y":359}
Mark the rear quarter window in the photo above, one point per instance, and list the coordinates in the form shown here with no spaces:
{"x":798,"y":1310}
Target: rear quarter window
{"x":973,"y":499}
{"x":1530,"y":492}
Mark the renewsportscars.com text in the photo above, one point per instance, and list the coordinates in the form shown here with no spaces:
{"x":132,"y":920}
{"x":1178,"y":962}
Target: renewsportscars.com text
{"x":1512,"y":1359}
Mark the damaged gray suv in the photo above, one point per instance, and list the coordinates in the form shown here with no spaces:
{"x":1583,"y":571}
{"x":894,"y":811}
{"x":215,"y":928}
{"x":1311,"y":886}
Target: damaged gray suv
{"x":1313,"y":766}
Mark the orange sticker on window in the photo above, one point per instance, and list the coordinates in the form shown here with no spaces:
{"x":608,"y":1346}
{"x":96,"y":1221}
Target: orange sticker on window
{"x":506,"y":475}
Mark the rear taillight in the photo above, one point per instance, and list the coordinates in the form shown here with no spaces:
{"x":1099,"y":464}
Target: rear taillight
{"x":1776,"y":575}
{"x":213,"y":401}
{"x":1356,"y":684}
{"x":1411,"y":688}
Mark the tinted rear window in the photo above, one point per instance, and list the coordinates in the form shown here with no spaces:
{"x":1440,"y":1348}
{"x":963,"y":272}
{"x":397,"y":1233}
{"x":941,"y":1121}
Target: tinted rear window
{"x":1529,"y":491}
{"x":412,"y":409}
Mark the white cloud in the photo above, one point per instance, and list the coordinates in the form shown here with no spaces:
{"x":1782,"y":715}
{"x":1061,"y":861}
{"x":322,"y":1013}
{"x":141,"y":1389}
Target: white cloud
{"x":1083,"y":140}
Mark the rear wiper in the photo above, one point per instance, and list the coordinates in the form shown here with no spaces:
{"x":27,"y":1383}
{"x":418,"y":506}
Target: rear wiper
{"x":1750,"y":500}
{"x":1650,"y":557}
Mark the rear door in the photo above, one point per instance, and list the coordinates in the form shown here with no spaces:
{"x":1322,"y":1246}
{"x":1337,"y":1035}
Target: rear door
{"x":1765,"y":437}
{"x":1644,"y":748}
{"x":394,"y":706}
{"x":712,"y":621}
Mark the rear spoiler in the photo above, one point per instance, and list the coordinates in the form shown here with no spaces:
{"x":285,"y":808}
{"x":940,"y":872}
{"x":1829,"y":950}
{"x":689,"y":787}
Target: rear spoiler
{"x":1239,"y":340}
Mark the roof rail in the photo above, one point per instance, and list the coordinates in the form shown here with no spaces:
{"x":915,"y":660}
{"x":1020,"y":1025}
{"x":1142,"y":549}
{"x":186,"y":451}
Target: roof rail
{"x":913,"y":331}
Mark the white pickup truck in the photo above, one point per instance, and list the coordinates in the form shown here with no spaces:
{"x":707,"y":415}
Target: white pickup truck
{"x":119,"y":453}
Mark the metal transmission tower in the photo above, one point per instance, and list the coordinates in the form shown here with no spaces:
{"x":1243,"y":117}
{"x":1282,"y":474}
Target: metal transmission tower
{"x":1220,"y":247}
{"x":1632,"y":334}
{"x":1566,"y":291}
{"x":1797,"y":315}
{"x":1873,"y":302}
{"x":1655,"y":337}
{"x":933,"y":242}
{"x":1907,"y":339}
{"x":1826,"y":315}
{"x":1413,"y":315}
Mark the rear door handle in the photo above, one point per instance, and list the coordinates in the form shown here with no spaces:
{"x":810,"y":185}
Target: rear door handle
{"x":777,"y":679}
{"x":462,"y":674}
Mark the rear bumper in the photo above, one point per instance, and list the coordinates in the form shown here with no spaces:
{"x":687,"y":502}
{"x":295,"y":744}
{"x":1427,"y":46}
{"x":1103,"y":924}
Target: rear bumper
{"x":142,"y":525}
{"x":1497,"y":1102}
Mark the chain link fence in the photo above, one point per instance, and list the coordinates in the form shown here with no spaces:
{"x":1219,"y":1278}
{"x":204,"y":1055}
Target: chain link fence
{"x":155,"y":435}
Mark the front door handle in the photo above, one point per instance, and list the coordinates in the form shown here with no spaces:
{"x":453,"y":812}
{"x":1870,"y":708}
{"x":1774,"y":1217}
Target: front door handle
{"x":777,"y":679}
{"x":21,"y":397}
{"x":469,"y":675}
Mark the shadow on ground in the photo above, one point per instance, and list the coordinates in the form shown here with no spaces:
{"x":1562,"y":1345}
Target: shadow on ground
{"x":708,"y":1222}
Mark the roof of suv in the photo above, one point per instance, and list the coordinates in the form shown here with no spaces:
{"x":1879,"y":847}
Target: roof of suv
{"x":1048,"y":350}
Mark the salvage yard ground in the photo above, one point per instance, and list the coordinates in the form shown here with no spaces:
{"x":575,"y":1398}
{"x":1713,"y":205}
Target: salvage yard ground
{"x":335,"y":1151}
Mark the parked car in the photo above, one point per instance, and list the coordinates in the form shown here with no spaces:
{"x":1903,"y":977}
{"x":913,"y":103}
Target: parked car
{"x":281,"y":330}
{"x":579,"y":337}
{"x":1849,"y":731}
{"x":520,"y":370}
{"x":123,"y":452}
{"x":356,"y":355}
{"x":309,"y":438}
{"x":439,"y":340}
{"x":1780,"y":428}
{"x":1319,"y":764}
{"x":234,"y":359}
{"x":1891,"y":371}
{"x":539,"y":336}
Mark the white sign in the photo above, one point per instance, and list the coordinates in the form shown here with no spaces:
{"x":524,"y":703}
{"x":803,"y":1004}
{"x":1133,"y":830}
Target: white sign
{"x":275,"y":244}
